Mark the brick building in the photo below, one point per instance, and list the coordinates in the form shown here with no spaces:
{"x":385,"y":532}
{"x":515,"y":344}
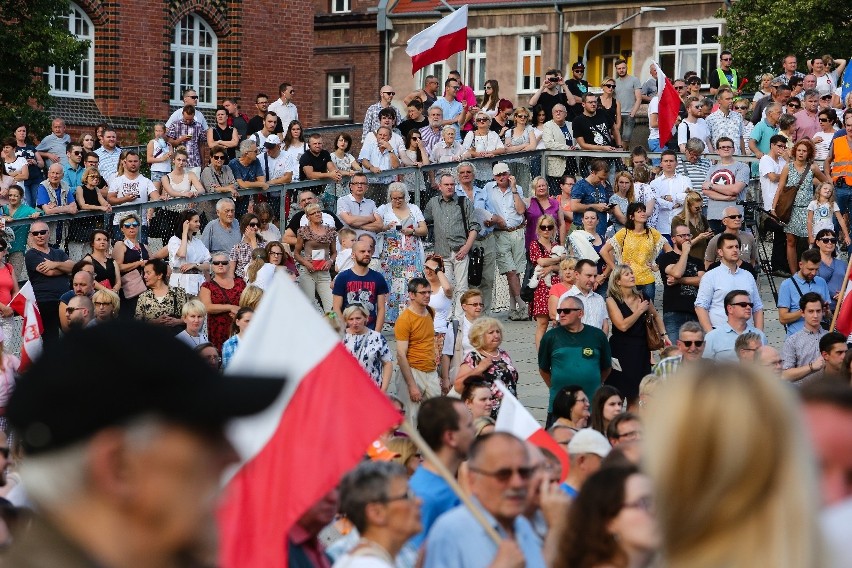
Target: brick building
{"x":143,"y":54}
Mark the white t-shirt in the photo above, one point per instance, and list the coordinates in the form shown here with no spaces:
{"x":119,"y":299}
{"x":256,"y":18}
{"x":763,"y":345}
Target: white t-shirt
{"x":349,"y":561}
{"x":295,"y":152}
{"x":768,"y":188}
{"x":697,"y":130}
{"x":827,"y":83}
{"x":654,"y":108}
{"x":442,"y":305}
{"x":279,"y":166}
{"x":823,"y":215}
{"x":140,"y":187}
{"x":16,"y":166}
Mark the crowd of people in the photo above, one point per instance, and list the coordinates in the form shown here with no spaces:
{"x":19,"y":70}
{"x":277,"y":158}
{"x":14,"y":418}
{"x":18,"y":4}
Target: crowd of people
{"x":639,"y":274}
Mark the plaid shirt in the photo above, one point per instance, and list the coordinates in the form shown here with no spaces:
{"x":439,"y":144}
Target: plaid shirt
{"x":241,"y":254}
{"x":783,"y":77}
{"x":800,"y":349}
{"x":371,"y":119}
{"x":730,"y":126}
{"x":198,"y":135}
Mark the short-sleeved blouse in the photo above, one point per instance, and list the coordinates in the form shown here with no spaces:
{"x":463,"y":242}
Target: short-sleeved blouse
{"x":371,"y":349}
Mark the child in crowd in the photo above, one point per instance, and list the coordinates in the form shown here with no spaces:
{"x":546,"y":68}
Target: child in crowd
{"x":344,"y":253}
{"x":822,"y":212}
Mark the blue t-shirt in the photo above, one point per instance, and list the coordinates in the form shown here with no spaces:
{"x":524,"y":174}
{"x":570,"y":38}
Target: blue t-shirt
{"x":788,"y":297}
{"x":43,"y":197}
{"x":437,"y":496}
{"x":589,"y":194}
{"x":364,"y":290}
{"x":246,"y":173}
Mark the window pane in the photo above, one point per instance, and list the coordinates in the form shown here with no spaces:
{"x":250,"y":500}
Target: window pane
{"x":194,"y":48}
{"x":708,"y":64}
{"x":709,"y":35}
{"x":687,"y":61}
{"x":668,"y":37}
{"x":688,"y":36}
{"x":667,"y":62}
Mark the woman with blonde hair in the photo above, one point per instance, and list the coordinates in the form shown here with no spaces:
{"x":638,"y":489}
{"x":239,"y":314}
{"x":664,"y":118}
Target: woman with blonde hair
{"x":727,"y":494}
{"x":488,"y":360}
{"x":407,"y":452}
{"x":620,"y":200}
{"x":609,"y":106}
{"x":251,"y":296}
{"x":539,"y":253}
{"x":697,"y":223}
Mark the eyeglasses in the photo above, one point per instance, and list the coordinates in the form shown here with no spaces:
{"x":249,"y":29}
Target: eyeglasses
{"x":566,"y":311}
{"x":102,"y":304}
{"x":219,"y":262}
{"x":505,"y":474}
{"x":737,"y":216}
{"x":643,"y":504}
{"x":415,"y":138}
{"x":697,"y":343}
{"x":276,"y":254}
{"x":686,"y":236}
{"x":409,"y":495}
{"x":132,"y":225}
{"x":39,"y":233}
{"x":680,"y":87}
{"x":475,"y":304}
{"x":547,"y":227}
{"x":827,"y":240}
{"x":609,"y":86}
{"x":743,"y":304}
{"x":351,"y":183}
{"x":741,"y":107}
{"x":726,"y":58}
{"x":825,"y":97}
{"x":423,"y":292}
{"x":524,"y":116}
{"x":217,"y":157}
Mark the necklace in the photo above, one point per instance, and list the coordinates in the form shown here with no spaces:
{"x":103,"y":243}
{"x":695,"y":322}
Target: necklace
{"x":491,"y":355}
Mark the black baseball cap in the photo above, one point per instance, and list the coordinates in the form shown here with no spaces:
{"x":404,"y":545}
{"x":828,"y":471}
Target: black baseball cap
{"x":110,"y":374}
{"x":577,"y":65}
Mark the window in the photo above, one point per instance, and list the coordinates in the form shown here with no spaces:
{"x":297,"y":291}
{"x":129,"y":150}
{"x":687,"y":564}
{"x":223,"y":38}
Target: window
{"x":194,"y":61}
{"x":439,"y":70}
{"x":611,"y":54}
{"x":77,"y":81}
{"x":338,"y":95}
{"x":689,"y":49}
{"x":340,"y":7}
{"x":476,"y":65}
{"x":529,"y":64}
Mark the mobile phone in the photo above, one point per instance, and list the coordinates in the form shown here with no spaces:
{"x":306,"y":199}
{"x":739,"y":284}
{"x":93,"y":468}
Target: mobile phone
{"x":399,"y":227}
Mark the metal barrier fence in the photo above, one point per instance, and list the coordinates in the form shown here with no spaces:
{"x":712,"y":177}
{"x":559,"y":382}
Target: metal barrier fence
{"x":421,"y":182}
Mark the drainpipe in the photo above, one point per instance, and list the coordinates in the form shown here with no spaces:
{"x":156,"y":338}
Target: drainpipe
{"x":384,"y":26}
{"x":560,"y":38}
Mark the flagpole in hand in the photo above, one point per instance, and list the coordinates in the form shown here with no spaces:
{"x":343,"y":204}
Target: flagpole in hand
{"x":840,"y":296}
{"x":427,"y":453}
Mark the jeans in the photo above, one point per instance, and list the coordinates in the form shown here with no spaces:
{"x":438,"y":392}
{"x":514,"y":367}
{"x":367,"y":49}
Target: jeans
{"x":654,"y":146}
{"x":673,"y":321}
{"x":627,"y":124}
{"x":649,"y":290}
{"x":843,"y":195}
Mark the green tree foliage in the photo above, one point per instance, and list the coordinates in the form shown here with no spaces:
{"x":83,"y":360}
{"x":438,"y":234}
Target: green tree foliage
{"x":761,"y":32}
{"x":33,"y":36}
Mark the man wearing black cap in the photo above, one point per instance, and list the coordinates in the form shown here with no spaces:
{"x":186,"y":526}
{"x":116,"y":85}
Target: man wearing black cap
{"x":578,"y":87}
{"x":124,"y":466}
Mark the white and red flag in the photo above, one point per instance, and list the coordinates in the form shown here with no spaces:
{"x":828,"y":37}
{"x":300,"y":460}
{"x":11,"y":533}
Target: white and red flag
{"x":295,"y":451}
{"x":517,"y":420}
{"x":669,"y":106}
{"x":24,"y":304}
{"x":439,"y":41}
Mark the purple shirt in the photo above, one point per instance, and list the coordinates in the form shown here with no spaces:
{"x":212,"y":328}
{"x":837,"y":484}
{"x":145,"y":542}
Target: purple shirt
{"x":533,"y":213}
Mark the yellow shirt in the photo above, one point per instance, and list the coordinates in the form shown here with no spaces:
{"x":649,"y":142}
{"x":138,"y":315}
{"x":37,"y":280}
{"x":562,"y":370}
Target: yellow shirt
{"x":639,"y":252}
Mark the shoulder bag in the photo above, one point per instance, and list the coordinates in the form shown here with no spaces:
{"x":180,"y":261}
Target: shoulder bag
{"x":654,"y":337}
{"x":476,"y":256}
{"x":784,"y":207}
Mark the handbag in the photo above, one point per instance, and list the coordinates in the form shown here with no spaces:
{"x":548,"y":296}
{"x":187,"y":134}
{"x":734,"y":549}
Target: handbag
{"x":655,"y":338}
{"x":476,"y":256}
{"x":527,"y":293}
{"x":132,"y":284}
{"x":784,"y":207}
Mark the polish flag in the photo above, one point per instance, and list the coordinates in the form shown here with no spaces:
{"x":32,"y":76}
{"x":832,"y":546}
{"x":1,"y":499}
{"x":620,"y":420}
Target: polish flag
{"x":515,"y":419}
{"x":843,"y":324}
{"x":295,"y":451}
{"x":24,"y":304}
{"x":439,"y":41}
{"x":669,"y":106}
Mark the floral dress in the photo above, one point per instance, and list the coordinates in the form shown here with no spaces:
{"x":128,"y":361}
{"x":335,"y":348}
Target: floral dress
{"x":503,"y":370}
{"x":798,"y":224}
{"x":219,"y":325}
{"x":401,"y":258}
{"x":371,"y":350}
{"x":149,"y":307}
{"x":542,"y":291}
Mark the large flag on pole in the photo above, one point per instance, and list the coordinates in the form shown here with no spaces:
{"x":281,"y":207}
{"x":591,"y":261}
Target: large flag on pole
{"x":439,"y":41}
{"x":845,"y":84}
{"x":669,"y":106}
{"x":24,"y":304}
{"x":295,"y":451}
{"x":515,"y":419}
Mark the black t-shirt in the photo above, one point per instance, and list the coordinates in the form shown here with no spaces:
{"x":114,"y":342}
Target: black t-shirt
{"x":680,"y":297}
{"x":295,"y":221}
{"x":593,"y":129}
{"x":406,"y":125}
{"x":255,"y":124}
{"x":46,"y":288}
{"x":578,"y":88}
{"x":318,"y":163}
{"x":548,"y":101}
{"x":498,"y":128}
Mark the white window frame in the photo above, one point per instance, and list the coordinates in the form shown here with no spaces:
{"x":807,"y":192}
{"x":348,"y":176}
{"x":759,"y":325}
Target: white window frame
{"x":442,"y":73}
{"x":85,"y":69}
{"x":698,"y":48}
{"x":196,"y":52}
{"x":476,"y":62}
{"x":344,"y":86}
{"x":341,"y":6}
{"x":535,"y":62}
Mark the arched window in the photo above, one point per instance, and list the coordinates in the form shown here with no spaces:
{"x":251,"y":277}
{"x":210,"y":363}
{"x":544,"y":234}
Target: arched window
{"x":76,"y":81}
{"x":194,"y":60}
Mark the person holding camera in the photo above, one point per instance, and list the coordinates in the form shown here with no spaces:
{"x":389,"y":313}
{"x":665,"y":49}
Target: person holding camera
{"x":552,"y":92}
{"x":400,"y":246}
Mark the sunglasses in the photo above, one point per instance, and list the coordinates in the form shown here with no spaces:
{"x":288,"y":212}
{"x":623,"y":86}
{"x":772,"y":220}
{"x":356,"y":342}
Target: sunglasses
{"x":481,"y":120}
{"x":697,"y":343}
{"x":609,"y":86}
{"x":256,"y":225}
{"x":680,"y":88}
{"x":69,"y":310}
{"x":727,"y":58}
{"x":566,"y":311}
{"x":505,"y":474}
{"x":823,"y":120}
{"x":737,"y":216}
{"x":831,"y":240}
{"x":130,"y":225}
{"x":741,"y":108}
{"x":547,"y":227}
{"x":578,"y":70}
{"x":219,"y":262}
{"x":192,"y":96}
{"x":391,"y":93}
{"x":743,"y":304}
{"x":794,"y":105}
{"x":77,"y":153}
{"x":38,"y":233}
{"x":218,"y":157}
